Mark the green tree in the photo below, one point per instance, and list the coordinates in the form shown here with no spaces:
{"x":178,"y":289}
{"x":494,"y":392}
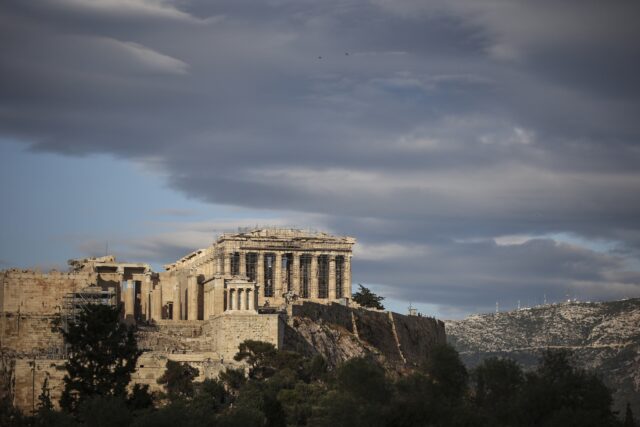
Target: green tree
{"x":558,"y":393}
{"x":234,"y":379}
{"x":357,"y":396}
{"x":259,"y":356}
{"x":45,"y":397}
{"x":178,"y":380}
{"x":447,"y":372}
{"x":366,"y":298}
{"x":102,"y":356}
{"x":213,"y":394}
{"x":140,"y":398}
{"x":497,"y":385}
{"x":104,"y":411}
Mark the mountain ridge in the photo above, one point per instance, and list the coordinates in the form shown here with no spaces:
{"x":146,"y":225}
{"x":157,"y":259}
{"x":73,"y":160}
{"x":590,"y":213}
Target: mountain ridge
{"x":604,"y":337}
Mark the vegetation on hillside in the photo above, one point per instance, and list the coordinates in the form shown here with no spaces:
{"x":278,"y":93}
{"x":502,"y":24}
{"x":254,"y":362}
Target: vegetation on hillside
{"x":282,"y":388}
{"x":368,"y":299}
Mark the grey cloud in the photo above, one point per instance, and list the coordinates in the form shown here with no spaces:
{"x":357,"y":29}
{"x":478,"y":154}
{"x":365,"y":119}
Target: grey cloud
{"x":402,"y":123}
{"x":473,"y":276}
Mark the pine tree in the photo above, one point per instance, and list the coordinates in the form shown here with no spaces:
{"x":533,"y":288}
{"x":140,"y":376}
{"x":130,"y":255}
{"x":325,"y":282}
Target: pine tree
{"x":366,"y":298}
{"x":102,"y":356}
{"x":45,"y":397}
{"x":178,"y":380}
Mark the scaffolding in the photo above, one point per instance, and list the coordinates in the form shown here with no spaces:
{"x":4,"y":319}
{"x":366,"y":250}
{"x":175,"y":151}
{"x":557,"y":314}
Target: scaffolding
{"x":75,"y":302}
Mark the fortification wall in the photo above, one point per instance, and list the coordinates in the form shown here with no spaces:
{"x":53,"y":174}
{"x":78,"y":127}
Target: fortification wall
{"x":208,"y":346}
{"x":32,"y":292}
{"x":335,"y":314}
{"x":29,"y":376}
{"x":30,"y":302}
{"x":29,"y":336}
{"x":227,"y":331}
{"x":152,"y":365}
{"x":376,"y":328}
{"x":169,"y":336}
{"x":416,"y":335}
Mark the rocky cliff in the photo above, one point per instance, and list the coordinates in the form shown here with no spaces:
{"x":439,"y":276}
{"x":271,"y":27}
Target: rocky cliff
{"x":604,"y":337}
{"x":339,"y":333}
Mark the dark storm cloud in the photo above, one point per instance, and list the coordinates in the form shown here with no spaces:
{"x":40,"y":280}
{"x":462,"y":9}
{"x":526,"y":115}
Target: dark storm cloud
{"x":477,"y":274}
{"x":410,"y":123}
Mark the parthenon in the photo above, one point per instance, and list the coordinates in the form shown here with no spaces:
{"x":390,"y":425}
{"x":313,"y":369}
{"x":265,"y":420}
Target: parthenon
{"x":243,"y":271}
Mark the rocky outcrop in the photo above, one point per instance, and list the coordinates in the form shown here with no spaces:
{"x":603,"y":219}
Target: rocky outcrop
{"x":339,"y":333}
{"x":604,"y":337}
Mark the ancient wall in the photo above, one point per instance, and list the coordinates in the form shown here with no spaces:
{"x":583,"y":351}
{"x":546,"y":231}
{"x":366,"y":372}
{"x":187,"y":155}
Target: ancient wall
{"x":335,"y":314}
{"x":29,"y":376}
{"x":29,"y":336}
{"x":416,"y":335}
{"x":152,"y":365}
{"x":183,"y":336}
{"x":30,"y":292}
{"x":226,"y":331}
{"x":376,"y":328}
{"x":30,"y":302}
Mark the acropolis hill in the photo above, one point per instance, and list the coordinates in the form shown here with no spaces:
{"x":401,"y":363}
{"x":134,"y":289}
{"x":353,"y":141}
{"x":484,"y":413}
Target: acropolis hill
{"x":288,"y":287}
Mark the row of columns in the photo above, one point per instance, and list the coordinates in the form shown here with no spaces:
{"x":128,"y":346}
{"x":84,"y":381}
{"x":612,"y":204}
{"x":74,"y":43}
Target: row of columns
{"x":224,"y":263}
{"x":241,"y":298}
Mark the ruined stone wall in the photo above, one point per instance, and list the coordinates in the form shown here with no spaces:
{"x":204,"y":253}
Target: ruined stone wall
{"x":29,"y":376}
{"x":30,"y":302}
{"x":335,"y":314}
{"x":152,"y":365}
{"x":416,"y":335}
{"x":29,"y":335}
{"x":30,"y":292}
{"x":226,"y":332}
{"x":376,"y":328}
{"x":168,"y":336}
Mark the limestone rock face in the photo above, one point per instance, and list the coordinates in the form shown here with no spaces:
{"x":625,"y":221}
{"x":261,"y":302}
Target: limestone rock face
{"x":604,"y":337}
{"x":334,"y":343}
{"x":340,"y":333}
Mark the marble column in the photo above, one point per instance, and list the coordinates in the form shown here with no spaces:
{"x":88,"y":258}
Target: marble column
{"x":177,"y":303}
{"x":260,"y":268}
{"x":219,"y":264}
{"x":313,"y":288}
{"x":252,"y":299}
{"x":242,"y":264}
{"x":346,"y":277}
{"x":129,"y":299}
{"x":232,"y":299}
{"x":227,"y":263}
{"x":241,"y":298}
{"x":295,"y":274}
{"x":277,"y":276}
{"x":156,"y":303}
{"x":332,"y":277}
{"x":192,"y":297}
{"x":145,"y":297}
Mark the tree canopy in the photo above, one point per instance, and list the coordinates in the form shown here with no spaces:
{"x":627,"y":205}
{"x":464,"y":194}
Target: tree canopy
{"x":102,"y":355}
{"x":278,"y":388}
{"x":366,"y":298}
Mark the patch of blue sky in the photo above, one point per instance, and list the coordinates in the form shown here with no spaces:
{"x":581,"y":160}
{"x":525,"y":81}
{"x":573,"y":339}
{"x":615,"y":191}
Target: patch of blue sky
{"x":53,"y":204}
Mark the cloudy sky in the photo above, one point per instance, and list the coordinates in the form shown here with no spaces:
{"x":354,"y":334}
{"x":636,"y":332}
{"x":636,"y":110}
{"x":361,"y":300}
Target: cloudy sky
{"x":479,"y":150}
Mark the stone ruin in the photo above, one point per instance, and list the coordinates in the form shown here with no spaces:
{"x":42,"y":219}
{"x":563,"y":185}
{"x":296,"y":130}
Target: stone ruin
{"x":285,"y":286}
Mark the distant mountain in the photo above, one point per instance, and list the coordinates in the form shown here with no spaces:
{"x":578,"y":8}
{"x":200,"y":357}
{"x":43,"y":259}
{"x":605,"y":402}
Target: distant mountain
{"x":604,"y":337}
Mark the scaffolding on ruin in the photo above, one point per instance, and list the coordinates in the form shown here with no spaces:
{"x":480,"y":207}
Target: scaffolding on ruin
{"x":75,"y":302}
